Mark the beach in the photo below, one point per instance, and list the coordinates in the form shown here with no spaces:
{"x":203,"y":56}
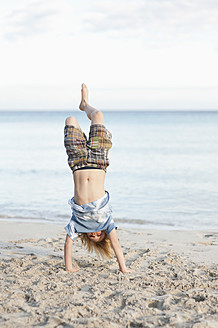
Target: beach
{"x":174,"y":283}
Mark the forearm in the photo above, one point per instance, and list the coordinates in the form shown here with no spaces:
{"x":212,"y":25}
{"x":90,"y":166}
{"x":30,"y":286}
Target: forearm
{"x":68,"y":255}
{"x":120,"y":257}
{"x":67,"y":258}
{"x":118,"y":250}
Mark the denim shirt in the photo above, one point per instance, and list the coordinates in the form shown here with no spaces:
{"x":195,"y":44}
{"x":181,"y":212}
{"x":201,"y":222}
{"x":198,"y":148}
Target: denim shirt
{"x":92,"y":217}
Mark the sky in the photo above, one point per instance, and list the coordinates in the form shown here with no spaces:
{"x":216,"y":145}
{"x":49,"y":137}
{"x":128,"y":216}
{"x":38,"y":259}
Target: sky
{"x":133,"y":55}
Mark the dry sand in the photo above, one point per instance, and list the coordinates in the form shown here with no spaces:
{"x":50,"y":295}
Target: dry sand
{"x":174,"y":283}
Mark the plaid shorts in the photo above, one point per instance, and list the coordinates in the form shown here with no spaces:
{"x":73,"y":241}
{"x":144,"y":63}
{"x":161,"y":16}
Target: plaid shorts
{"x":92,"y":153}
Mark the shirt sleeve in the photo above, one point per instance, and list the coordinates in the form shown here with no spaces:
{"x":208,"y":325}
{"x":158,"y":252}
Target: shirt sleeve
{"x":71,"y":231}
{"x":110,"y":227}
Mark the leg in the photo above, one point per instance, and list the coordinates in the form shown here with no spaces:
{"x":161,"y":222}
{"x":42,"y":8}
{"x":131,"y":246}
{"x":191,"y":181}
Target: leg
{"x":72,"y":121}
{"x":93,"y":114}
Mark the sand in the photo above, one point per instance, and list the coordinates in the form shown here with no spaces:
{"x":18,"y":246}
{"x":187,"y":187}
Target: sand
{"x":174,"y":283}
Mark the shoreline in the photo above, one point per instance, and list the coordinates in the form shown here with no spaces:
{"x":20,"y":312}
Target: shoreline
{"x":174,"y":283}
{"x":199,"y":245}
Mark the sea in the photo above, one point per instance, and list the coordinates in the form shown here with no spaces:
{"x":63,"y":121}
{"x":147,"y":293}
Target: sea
{"x":163,"y":171}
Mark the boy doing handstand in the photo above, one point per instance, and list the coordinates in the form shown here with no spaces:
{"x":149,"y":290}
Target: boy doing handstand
{"x":91,"y":213}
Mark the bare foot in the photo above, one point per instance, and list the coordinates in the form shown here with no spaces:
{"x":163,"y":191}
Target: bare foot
{"x":84,"y":106}
{"x":84,"y":101}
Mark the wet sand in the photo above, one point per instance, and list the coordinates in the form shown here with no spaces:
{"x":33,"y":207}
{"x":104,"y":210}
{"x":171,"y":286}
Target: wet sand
{"x":174,"y":283}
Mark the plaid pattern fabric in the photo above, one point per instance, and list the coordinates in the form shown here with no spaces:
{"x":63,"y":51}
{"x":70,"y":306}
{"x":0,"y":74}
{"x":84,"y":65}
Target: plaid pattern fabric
{"x":75,"y":144}
{"x":83,"y":153}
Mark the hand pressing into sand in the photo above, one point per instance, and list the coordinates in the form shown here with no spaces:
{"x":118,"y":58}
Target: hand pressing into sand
{"x":72,"y":269}
{"x":128,"y":270}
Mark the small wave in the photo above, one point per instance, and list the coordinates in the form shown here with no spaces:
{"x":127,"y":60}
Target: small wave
{"x":142,"y":222}
{"x":122,"y":222}
{"x":15,"y":218}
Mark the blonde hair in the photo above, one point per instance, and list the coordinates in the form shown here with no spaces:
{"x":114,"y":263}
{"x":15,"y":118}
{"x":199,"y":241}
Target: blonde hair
{"x":102,"y":248}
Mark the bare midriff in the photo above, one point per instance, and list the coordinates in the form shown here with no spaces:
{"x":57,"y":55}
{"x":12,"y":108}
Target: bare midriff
{"x":88,"y":185}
